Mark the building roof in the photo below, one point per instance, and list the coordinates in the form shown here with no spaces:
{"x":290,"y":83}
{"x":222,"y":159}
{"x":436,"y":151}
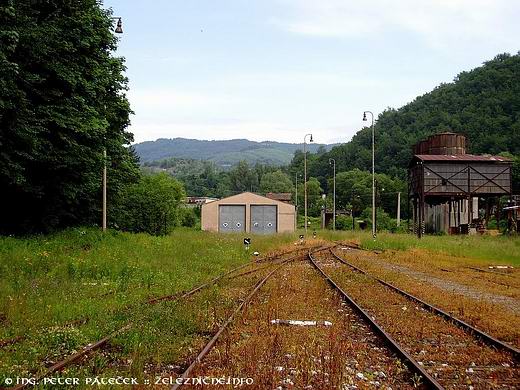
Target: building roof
{"x":460,"y":157}
{"x":240,"y":196}
{"x":282,"y":196}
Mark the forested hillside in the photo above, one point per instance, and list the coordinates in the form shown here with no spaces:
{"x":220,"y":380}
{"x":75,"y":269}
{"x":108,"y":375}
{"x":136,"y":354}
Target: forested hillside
{"x":483,"y":104}
{"x":224,"y":153}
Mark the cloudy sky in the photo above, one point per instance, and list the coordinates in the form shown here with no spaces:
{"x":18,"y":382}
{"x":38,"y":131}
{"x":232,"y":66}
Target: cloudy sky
{"x":277,"y":69}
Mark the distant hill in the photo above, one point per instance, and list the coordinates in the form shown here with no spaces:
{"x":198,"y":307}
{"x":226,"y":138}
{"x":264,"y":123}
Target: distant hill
{"x":222,"y":153}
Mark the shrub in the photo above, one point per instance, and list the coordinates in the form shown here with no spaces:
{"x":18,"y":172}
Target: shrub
{"x":151,"y":205}
{"x":188,"y":217}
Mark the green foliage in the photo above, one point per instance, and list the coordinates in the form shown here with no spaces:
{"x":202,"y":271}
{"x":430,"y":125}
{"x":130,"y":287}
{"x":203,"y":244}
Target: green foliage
{"x":383,"y":219}
{"x":276,"y":182}
{"x":243,"y":178}
{"x":62,"y":103}
{"x":343,"y":222}
{"x":482,"y":104}
{"x":188,"y":217}
{"x":314,"y":200}
{"x":151,"y":205}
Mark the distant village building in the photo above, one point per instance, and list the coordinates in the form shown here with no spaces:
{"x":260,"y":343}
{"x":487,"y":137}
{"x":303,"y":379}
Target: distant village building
{"x":281,"y":196}
{"x":198,"y":201}
{"x":248,"y":213}
{"x":448,"y":188}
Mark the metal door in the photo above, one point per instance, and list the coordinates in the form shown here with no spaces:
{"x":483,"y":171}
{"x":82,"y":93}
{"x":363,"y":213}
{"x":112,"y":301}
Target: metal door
{"x":263,"y":219}
{"x":232,"y":218}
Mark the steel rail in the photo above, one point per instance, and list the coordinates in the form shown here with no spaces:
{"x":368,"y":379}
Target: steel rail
{"x":430,"y":381}
{"x":221,"y":276}
{"x":224,"y":326}
{"x":92,"y":347}
{"x":72,"y":358}
{"x":483,"y":336}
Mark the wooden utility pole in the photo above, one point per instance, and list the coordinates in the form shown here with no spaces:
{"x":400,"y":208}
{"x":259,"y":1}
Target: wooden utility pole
{"x":398,"y":209}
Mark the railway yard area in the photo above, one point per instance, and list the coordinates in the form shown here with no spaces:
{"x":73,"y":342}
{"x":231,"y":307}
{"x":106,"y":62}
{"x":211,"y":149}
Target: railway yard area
{"x":328,"y":313}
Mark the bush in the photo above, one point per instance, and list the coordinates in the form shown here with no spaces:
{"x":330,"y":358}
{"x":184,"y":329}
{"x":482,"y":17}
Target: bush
{"x":188,"y":217}
{"x":343,"y":222}
{"x":151,"y":205}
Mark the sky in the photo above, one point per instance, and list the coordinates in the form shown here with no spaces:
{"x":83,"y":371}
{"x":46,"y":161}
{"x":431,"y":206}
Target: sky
{"x":278,"y":69}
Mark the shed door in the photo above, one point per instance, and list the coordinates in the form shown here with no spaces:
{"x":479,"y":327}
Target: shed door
{"x":232,"y":218}
{"x":263,"y":219}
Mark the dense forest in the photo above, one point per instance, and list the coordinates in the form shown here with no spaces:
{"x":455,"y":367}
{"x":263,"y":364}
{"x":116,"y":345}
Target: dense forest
{"x":62,"y":105}
{"x":483,"y":104}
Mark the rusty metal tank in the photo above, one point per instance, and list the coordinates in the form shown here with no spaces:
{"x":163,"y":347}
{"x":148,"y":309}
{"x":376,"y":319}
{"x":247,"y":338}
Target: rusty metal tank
{"x":443,"y":143}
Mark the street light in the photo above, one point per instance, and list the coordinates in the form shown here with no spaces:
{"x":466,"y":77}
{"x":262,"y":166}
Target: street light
{"x":117,"y":30}
{"x":119,"y":25}
{"x":333,"y":163}
{"x":373,"y":174}
{"x":305,"y":173}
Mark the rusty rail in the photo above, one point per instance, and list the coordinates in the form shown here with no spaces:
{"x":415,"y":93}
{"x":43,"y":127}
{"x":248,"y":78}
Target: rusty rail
{"x":92,"y":347}
{"x":224,"y":326}
{"x":430,"y":381}
{"x":483,"y":336}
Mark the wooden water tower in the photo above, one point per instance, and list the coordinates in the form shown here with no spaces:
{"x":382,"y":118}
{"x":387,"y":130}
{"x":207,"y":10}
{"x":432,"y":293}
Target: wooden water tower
{"x":445,"y":184}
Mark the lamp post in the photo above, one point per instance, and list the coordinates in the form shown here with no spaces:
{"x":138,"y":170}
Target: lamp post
{"x":373,"y":174}
{"x":333,"y":163}
{"x":305,"y":173}
{"x":296,"y":203}
{"x":117,"y":30}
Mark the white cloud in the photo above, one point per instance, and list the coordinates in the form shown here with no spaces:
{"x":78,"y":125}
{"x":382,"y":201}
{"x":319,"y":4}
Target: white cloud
{"x":439,"y":22}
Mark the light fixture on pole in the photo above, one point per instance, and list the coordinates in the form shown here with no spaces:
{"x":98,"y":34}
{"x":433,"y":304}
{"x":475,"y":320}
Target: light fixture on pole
{"x":333,"y":163}
{"x":373,"y":174}
{"x":305,"y":173}
{"x":119,"y":25}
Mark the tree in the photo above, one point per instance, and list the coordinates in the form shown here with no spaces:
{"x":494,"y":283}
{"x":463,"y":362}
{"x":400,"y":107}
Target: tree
{"x":243,"y":178}
{"x":62,"y":103}
{"x":314,"y":201}
{"x":276,"y":182}
{"x":151,"y":205}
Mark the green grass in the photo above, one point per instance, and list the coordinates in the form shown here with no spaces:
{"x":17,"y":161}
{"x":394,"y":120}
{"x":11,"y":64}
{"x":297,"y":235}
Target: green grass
{"x":49,"y":281}
{"x":484,"y":249}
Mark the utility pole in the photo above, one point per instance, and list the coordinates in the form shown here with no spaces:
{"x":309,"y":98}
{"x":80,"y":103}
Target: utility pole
{"x":398,"y":209}
{"x":104,"y":223}
{"x":333,"y":163}
{"x":305,"y":174}
{"x":118,"y":30}
{"x":373,"y":174}
{"x":296,"y":203}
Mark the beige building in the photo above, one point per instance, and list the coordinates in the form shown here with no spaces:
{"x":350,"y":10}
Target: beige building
{"x":248,"y":212}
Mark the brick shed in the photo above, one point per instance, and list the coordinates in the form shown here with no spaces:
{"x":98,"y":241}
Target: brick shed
{"x":248,"y":212}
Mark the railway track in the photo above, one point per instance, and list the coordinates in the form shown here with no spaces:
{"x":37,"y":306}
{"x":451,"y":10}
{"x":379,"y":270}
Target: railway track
{"x":209,"y":345}
{"x":441,"y":349}
{"x":483,"y":336}
{"x":89,"y":349}
{"x":273,"y":343}
{"x":394,"y":346}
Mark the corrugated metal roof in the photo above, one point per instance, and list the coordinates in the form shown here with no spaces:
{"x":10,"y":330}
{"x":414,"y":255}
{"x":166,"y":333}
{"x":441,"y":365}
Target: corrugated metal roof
{"x":460,"y":157}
